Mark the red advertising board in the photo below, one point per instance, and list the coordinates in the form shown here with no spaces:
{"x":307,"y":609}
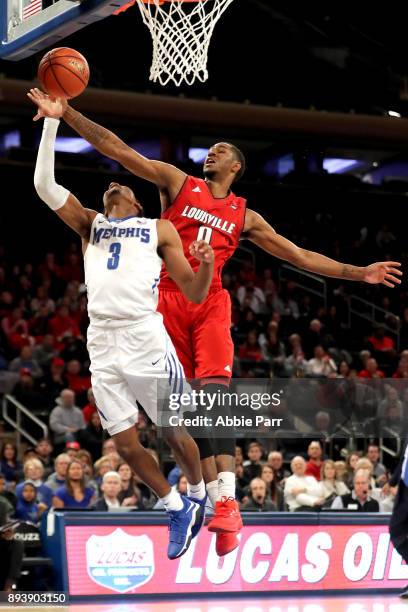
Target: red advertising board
{"x":104,"y":560}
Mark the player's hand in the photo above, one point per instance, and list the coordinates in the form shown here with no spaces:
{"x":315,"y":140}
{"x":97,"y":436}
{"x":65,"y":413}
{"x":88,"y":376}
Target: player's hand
{"x":202,"y":251}
{"x":47,"y":107}
{"x":384,"y":272}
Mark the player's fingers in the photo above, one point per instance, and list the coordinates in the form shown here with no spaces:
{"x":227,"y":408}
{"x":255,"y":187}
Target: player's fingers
{"x":392,"y":263}
{"x":393,"y":279}
{"x":392,"y":270}
{"x":387,"y":284}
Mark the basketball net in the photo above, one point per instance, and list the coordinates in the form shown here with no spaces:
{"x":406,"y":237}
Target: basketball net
{"x":181,"y":31}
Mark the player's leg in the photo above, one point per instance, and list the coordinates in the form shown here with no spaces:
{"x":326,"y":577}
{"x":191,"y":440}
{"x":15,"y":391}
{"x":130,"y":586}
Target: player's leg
{"x":399,"y":526}
{"x":175,"y":310}
{"x":213,"y":352}
{"x":116,"y":403}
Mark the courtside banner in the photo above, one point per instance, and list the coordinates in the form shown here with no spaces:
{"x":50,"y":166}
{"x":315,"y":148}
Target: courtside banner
{"x":109,"y":560}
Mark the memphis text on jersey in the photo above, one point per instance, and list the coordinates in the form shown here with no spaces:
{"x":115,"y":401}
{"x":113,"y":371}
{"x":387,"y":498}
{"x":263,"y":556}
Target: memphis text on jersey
{"x":121,"y":232}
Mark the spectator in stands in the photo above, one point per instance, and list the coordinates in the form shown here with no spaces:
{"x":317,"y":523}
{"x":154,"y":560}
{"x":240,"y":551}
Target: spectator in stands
{"x":72,"y":448}
{"x":54,"y":382}
{"x":252,"y":297}
{"x":92,"y":436}
{"x":296,"y":362}
{"x":371,"y":370}
{"x":44,"y":451}
{"x":44,"y":353}
{"x":57,"y":478}
{"x":101,"y":466}
{"x":9,"y":464}
{"x":14,"y":325}
{"x":42,"y":299}
{"x":239,"y":457}
{"x":34,"y":471}
{"x":390,"y":400}
{"x":275,"y":460}
{"x":62,"y":325}
{"x":402,"y":370}
{"x":250,"y":350}
{"x":130,"y":494}
{"x":66,"y":419}
{"x":365,"y":464}
{"x":26,"y":361}
{"x":39,"y":323}
{"x":90,"y":408}
{"x":182,"y":484}
{"x":109,"y":446}
{"x":344,"y":369}
{"x":11,"y":553}
{"x":28,"y":509}
{"x":240,"y":483}
{"x":380,"y":342}
{"x":258,"y":500}
{"x":322,"y":364}
{"x":313,"y":337}
{"x":331,"y":486}
{"x":77,"y":381}
{"x":6,"y":496}
{"x":314,"y":465}
{"x":111,"y":488}
{"x":252,"y":466}
{"x":359,"y":500}
{"x":301,"y":492}
{"x":273,"y":490}
{"x":379,"y":470}
{"x":341,"y":471}
{"x":74,"y":493}
{"x":351,"y":463}
{"x":273,"y":350}
{"x":26,"y":392}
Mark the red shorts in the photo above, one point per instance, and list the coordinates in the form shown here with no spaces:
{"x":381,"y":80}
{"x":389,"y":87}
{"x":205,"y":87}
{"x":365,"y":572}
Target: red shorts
{"x":200,"y":332}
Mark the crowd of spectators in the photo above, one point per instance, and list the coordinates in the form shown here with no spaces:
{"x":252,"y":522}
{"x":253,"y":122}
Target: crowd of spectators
{"x":279,"y":331}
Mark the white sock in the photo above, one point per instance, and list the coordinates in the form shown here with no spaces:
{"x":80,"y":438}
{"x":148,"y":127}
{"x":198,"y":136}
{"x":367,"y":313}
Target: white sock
{"x":197,"y":491}
{"x":226,"y":484}
{"x":172,"y":501}
{"x":212,"y":490}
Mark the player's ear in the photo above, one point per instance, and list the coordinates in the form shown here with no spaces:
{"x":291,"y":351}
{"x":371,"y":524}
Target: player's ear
{"x":236,"y":167}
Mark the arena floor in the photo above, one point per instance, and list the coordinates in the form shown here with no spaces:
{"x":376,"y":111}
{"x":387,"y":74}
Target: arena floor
{"x":357,"y":603}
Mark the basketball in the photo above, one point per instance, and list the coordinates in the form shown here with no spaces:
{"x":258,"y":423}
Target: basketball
{"x":63,"y":73}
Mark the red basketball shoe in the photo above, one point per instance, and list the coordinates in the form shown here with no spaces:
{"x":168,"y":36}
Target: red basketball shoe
{"x":226,"y":517}
{"x":225,"y":542}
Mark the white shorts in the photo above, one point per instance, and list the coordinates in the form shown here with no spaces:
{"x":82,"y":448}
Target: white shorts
{"x":132,"y":363}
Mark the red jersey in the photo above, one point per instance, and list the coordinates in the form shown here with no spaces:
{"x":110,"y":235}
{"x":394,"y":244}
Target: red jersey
{"x":197,"y":215}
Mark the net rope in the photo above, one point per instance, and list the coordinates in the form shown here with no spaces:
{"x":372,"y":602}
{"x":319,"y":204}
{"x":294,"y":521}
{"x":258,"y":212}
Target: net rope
{"x":181,"y":33}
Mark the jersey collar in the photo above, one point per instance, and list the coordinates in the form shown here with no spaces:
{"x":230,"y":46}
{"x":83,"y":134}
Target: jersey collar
{"x":120,"y":219}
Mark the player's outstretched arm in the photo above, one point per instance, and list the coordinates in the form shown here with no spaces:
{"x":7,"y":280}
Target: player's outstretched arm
{"x":165,"y":176}
{"x":195,"y":286}
{"x":59,"y":199}
{"x":262,"y":234}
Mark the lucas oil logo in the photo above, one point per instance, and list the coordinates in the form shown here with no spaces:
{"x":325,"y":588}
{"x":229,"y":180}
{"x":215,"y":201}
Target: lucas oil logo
{"x":119,"y":561}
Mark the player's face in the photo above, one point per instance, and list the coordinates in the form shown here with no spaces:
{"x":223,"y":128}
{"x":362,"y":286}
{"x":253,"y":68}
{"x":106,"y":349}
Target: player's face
{"x":120,"y":195}
{"x":220,"y":162}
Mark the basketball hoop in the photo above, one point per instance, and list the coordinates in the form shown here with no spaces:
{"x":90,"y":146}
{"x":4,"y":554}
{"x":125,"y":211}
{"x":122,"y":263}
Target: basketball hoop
{"x":181,"y":31}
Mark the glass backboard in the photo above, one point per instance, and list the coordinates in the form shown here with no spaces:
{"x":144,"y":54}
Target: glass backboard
{"x":27,"y":26}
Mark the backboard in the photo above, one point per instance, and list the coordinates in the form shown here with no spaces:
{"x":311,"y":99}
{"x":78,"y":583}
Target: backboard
{"x":27,"y":26}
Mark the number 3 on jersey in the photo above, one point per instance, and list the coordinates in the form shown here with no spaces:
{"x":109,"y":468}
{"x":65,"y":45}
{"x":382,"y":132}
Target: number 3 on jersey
{"x":114,"y":249}
{"x":205,"y":233}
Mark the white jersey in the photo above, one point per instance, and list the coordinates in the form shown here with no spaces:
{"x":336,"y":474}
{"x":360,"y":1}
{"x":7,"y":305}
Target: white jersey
{"x":122,"y":269}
